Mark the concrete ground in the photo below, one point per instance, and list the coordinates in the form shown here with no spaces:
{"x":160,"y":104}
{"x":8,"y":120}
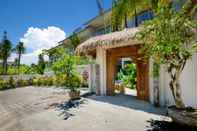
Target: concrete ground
{"x":32,"y":109}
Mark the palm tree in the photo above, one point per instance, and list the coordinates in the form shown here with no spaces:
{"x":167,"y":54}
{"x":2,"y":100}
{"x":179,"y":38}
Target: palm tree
{"x":19,"y":49}
{"x":124,"y":9}
{"x":6,"y":47}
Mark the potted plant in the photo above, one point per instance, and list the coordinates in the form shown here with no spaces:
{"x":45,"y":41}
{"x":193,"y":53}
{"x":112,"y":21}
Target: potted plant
{"x":67,"y":67}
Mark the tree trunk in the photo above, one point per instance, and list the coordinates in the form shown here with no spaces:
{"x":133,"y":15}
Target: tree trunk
{"x":135,"y":13}
{"x":5,"y":66}
{"x":125,"y":20}
{"x":19,"y":61}
{"x":2,"y":72}
{"x":175,"y":87}
{"x":136,"y":18}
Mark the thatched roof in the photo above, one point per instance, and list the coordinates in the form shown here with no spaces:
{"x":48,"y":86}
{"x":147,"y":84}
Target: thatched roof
{"x":115,"y":39}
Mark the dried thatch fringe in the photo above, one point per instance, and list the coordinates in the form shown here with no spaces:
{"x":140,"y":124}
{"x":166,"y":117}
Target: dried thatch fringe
{"x":111,"y":39}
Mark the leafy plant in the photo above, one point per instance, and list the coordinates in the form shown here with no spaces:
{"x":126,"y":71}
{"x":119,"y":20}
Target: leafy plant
{"x":128,"y":76}
{"x":5,"y":48}
{"x":41,"y":64}
{"x":67,"y":67}
{"x":123,"y":10}
{"x":75,"y":41}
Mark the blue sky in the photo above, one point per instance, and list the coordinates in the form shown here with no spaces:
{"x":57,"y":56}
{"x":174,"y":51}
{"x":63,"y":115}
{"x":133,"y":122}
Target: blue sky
{"x":17,"y":16}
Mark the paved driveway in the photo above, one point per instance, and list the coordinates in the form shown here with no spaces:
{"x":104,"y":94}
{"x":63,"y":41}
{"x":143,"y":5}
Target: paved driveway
{"x":31,"y":109}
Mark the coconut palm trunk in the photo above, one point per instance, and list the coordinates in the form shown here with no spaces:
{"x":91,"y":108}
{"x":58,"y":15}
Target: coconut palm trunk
{"x":136,"y":18}
{"x":5,"y":68}
{"x":20,"y":49}
{"x":135,"y":13}
{"x":19,"y":62}
{"x":125,"y":21}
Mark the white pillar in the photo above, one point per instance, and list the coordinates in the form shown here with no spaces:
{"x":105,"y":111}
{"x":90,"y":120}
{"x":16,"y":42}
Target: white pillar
{"x":151,"y":82}
{"x":101,"y":61}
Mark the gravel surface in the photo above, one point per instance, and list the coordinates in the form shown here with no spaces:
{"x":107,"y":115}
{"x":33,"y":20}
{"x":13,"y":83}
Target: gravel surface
{"x":20,"y":103}
{"x":34,"y":109}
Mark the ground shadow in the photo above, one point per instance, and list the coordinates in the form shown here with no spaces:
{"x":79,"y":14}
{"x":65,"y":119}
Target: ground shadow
{"x":129,"y":101}
{"x":64,"y":107}
{"x":156,"y":125}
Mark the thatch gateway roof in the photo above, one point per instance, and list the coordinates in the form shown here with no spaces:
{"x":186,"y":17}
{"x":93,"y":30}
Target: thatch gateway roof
{"x":115,"y":39}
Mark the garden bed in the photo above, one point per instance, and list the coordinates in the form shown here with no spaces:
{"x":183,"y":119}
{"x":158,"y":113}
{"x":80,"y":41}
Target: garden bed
{"x":187,"y":116}
{"x":156,"y":125}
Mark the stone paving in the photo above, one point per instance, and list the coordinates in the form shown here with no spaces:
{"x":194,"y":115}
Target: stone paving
{"x":29,"y":109}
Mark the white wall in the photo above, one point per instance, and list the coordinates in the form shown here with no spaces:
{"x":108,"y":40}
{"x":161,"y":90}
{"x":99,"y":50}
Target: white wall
{"x":101,"y":60}
{"x":188,"y":85}
{"x":151,"y":86}
{"x":189,"y":82}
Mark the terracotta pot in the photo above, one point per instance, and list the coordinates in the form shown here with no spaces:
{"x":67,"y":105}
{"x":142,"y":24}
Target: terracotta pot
{"x":74,"y":94}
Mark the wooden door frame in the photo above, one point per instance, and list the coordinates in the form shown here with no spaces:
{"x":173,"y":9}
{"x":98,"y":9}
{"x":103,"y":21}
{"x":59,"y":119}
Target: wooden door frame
{"x":142,"y":69}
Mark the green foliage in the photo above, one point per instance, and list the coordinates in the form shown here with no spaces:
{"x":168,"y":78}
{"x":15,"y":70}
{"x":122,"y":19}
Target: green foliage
{"x":73,"y":82}
{"x":75,"y":41}
{"x":4,"y":85}
{"x":24,"y":69}
{"x":56,"y":53}
{"x":22,"y":83}
{"x":41,"y":64}
{"x":82,"y":60}
{"x":128,"y":76}
{"x":11,"y":83}
{"x":19,"y":49}
{"x":169,"y":37}
{"x":156,"y":68}
{"x":59,"y":80}
{"x":44,"y":81}
{"x":67,"y":67}
{"x":5,"y":48}
{"x":123,"y":10}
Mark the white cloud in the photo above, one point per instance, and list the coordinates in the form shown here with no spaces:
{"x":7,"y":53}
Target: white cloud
{"x":37,"y":39}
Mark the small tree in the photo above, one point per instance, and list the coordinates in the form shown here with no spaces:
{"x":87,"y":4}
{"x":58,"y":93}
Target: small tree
{"x":170,"y":39}
{"x":67,"y":66}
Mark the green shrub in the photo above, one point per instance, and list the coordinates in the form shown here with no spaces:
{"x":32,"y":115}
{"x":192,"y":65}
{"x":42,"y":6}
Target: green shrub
{"x":7,"y":84}
{"x":11,"y":82}
{"x":60,"y":80}
{"x":44,"y":81}
{"x":3,"y":85}
{"x":36,"y":82}
{"x":73,"y":82}
{"x":22,"y":83}
{"x":128,"y":76}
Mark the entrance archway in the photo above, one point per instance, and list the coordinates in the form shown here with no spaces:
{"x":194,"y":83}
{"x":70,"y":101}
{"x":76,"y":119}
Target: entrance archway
{"x":142,"y":70}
